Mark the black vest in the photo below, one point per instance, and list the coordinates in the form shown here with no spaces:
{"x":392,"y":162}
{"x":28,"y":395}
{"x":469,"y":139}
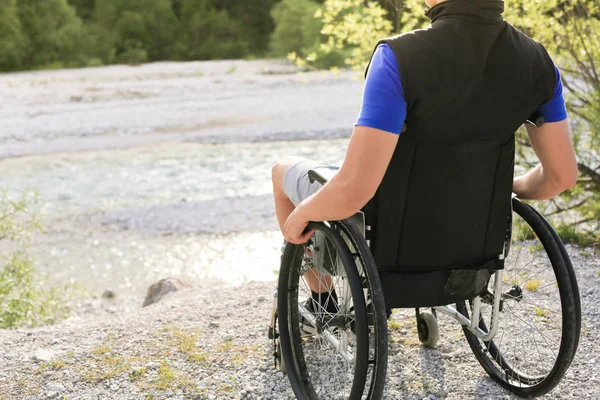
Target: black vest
{"x":470,"y":80}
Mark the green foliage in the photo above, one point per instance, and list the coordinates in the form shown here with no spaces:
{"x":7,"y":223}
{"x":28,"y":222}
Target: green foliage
{"x":573,"y":234}
{"x":570,"y":30}
{"x":12,"y":40}
{"x":23,"y":299}
{"x":255,"y":22}
{"x":139,"y":30}
{"x":351,"y":28}
{"x":52,"y":32}
{"x":210,"y":33}
{"x":296,"y":28}
{"x":84,"y":8}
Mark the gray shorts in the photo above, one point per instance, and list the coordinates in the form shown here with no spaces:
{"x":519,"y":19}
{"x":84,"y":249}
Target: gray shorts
{"x":296,"y":183}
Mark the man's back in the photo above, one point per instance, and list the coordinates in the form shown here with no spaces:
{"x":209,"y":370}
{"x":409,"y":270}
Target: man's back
{"x":469,"y":81}
{"x":471,"y":75}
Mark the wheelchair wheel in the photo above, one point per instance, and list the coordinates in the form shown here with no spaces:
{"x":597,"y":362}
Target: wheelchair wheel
{"x":540,"y":313}
{"x":325,"y":348}
{"x":376,"y":310}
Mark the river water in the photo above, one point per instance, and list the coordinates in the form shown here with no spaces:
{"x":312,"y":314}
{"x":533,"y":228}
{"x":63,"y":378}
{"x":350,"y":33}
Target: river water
{"x":164,"y":170}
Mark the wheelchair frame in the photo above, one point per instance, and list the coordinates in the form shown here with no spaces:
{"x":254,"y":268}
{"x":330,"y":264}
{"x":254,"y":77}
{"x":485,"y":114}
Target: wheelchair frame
{"x":473,"y":325}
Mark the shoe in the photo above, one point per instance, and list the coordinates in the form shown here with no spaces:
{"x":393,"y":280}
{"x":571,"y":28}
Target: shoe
{"x":327,"y":316}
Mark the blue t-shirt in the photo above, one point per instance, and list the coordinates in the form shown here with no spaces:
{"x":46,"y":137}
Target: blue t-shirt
{"x":384,"y":106}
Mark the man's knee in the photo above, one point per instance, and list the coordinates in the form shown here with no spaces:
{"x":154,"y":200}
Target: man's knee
{"x":279,"y":170}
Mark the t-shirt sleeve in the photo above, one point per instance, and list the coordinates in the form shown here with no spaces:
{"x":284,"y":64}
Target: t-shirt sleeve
{"x":555,"y":109}
{"x":383,"y":105}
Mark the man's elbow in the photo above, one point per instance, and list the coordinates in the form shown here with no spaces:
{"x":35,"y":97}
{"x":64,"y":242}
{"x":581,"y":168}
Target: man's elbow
{"x":567,"y":181}
{"x":357,"y":197}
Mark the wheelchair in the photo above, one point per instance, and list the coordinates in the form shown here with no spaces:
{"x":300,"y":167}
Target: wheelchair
{"x":520,"y":312}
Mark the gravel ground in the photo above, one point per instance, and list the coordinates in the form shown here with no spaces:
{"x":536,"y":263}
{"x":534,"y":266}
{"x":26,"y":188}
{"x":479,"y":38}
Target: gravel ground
{"x":211,"y":343}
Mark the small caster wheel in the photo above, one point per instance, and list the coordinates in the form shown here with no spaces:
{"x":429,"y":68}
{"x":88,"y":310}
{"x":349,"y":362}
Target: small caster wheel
{"x":428,"y":328}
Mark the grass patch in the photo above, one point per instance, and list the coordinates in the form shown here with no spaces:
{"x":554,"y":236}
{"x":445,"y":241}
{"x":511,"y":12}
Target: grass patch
{"x":574,"y":235}
{"x":54,"y":365}
{"x":393,"y":325}
{"x":137,"y":373}
{"x":522,"y":231}
{"x":541,"y":313}
{"x":187,"y":343}
{"x":166,"y":377}
{"x":532,"y":285}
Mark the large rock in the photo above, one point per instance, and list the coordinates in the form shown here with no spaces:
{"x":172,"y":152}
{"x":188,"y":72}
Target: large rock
{"x":163,"y":287}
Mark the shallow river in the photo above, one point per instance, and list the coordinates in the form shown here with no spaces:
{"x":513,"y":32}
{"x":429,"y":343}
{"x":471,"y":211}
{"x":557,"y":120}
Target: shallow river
{"x":164,"y":170}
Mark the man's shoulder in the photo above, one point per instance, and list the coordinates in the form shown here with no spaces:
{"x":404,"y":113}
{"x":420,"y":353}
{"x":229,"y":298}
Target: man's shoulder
{"x":408,"y":39}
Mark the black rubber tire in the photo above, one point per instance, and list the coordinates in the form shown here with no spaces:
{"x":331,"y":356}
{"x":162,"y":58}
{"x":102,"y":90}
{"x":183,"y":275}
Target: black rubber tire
{"x":378,"y":351}
{"x":290,"y":334}
{"x":489,"y":355}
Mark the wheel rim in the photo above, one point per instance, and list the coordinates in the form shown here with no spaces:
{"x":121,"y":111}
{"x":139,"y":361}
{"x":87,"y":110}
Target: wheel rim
{"x":530,"y":341}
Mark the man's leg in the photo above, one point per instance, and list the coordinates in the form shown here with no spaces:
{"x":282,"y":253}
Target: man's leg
{"x":316,"y":281}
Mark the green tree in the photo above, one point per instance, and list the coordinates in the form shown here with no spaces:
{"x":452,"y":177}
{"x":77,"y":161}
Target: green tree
{"x":255,"y":18}
{"x":297,"y":29}
{"x":208,"y":33}
{"x":84,"y":8}
{"x":351,"y":28}
{"x":138,"y":30}
{"x":52,"y":32}
{"x":12,"y":40}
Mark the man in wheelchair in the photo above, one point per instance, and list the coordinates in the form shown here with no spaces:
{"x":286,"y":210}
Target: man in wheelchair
{"x":434,"y":142}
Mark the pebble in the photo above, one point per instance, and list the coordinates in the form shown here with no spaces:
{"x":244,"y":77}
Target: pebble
{"x":228,"y":337}
{"x":42,"y":355}
{"x":55,"y":387}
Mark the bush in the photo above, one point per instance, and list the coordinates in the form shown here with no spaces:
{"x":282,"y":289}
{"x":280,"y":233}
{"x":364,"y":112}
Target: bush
{"x":351,"y":28}
{"x":136,"y":30}
{"x":24,"y":301}
{"x":296,"y":28}
{"x":208,"y":33}
{"x":12,"y":40}
{"x":52,"y":32}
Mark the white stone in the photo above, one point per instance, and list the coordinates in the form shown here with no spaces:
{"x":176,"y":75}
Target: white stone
{"x":42,"y":355}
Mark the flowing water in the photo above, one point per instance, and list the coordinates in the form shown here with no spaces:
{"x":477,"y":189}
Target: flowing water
{"x":171,"y":181}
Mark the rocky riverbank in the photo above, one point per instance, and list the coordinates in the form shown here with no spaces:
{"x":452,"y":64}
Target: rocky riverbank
{"x":211,"y":343}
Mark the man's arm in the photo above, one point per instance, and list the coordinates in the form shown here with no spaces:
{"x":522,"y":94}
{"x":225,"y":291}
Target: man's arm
{"x":367,"y":158}
{"x":557,"y":170}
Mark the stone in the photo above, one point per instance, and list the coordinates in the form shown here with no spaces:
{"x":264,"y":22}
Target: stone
{"x":55,"y":387}
{"x":160,"y":289}
{"x":109,"y":294}
{"x":228,"y":337}
{"x":42,"y":355}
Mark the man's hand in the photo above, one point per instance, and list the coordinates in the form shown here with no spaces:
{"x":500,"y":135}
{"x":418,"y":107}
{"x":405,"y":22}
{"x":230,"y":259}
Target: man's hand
{"x":294,"y":229}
